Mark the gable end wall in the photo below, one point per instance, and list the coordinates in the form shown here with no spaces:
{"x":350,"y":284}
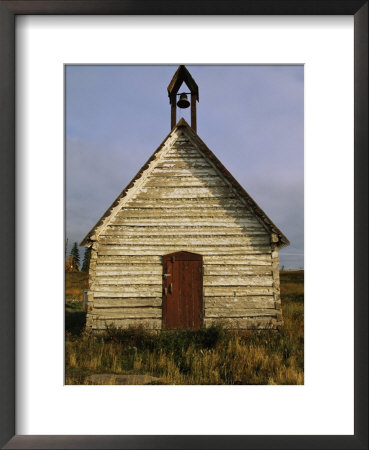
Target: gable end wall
{"x":184,"y":203}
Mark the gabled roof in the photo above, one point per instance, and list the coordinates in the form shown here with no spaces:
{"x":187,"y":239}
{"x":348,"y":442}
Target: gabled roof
{"x":183,"y":75}
{"x":182,"y":124}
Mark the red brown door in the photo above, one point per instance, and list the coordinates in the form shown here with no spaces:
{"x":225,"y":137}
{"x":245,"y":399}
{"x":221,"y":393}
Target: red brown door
{"x":182,"y":291}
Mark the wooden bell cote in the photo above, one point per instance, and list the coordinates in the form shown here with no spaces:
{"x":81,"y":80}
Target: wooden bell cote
{"x":182,"y":75}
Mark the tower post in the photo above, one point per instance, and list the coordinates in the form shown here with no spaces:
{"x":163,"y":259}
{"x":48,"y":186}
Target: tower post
{"x":173,"y":112}
{"x":193,"y":112}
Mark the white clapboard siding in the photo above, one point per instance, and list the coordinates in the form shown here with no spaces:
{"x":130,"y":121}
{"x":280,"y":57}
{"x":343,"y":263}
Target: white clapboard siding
{"x":184,"y":203}
{"x":231,"y":202}
{"x":182,"y":164}
{"x":165,"y":249}
{"x":188,"y":221}
{"x":186,"y":182}
{"x":130,"y":292}
{"x":184,"y":193}
{"x":228,"y":291}
{"x":128,"y":280}
{"x":182,"y":172}
{"x":180,"y":217}
{"x":184,"y":151}
{"x":127,"y":302}
{"x":132,"y":270}
{"x":131,"y":259}
{"x":263,"y":259}
{"x":206,"y":231}
{"x":155,"y":269}
{"x":247,"y":302}
{"x":231,"y":269}
{"x":240,"y":312}
{"x":129,"y":313}
{"x":204,"y":240}
{"x":211,"y":260}
{"x":245,"y":280}
{"x":132,"y":279}
{"x":156,"y":290}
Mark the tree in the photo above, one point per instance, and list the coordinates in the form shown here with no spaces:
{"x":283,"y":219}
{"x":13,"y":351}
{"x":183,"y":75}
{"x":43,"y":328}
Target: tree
{"x":86,"y":260}
{"x":75,"y":254}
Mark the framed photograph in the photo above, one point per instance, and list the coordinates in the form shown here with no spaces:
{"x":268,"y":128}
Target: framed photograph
{"x":185,"y":249}
{"x":61,"y":54}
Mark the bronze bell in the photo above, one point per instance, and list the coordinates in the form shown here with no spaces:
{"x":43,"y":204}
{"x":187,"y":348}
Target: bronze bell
{"x":183,"y":101}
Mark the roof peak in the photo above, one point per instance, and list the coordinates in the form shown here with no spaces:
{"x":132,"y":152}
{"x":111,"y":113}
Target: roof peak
{"x":183,"y":75}
{"x":182,"y":123}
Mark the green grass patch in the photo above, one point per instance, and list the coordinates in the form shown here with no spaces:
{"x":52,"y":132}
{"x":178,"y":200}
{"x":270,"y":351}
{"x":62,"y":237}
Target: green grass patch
{"x":75,"y":318}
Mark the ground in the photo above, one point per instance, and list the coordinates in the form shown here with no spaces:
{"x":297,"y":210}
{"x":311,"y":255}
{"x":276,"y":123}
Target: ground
{"x":207,"y":356}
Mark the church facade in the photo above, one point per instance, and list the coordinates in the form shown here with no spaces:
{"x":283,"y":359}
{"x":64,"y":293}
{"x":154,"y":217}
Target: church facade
{"x":184,"y":246}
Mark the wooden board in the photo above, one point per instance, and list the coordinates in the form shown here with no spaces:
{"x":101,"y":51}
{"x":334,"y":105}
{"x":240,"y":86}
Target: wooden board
{"x":128,"y":313}
{"x":128,"y":302}
{"x":233,"y":312}
{"x":248,"y":302}
{"x":185,"y":240}
{"x":160,"y":250}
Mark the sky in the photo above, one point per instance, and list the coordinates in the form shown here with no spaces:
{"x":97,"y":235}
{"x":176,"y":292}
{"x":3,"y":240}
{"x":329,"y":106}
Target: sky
{"x":250,"y":116}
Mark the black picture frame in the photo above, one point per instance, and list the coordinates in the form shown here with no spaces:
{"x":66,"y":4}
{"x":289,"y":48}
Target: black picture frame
{"x":8,"y":12}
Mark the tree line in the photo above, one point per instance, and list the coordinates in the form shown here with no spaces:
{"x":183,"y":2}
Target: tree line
{"x":73,"y":262}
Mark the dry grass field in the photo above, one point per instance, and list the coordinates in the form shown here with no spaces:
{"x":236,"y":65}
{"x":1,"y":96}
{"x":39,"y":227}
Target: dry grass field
{"x":207,"y":356}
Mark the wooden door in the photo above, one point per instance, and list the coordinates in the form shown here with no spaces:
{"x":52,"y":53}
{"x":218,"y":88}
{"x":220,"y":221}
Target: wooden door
{"x":182,"y":291}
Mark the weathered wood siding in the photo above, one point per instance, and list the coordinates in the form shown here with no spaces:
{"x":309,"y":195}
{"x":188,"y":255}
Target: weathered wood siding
{"x":182,"y":202}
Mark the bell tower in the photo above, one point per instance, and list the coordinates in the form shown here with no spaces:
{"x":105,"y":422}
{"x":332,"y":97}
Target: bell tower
{"x":182,"y":75}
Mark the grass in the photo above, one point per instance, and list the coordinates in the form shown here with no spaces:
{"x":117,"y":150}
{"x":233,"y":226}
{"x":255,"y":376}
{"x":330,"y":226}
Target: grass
{"x":207,"y":356}
{"x":75,"y":316}
{"x":75,"y":284}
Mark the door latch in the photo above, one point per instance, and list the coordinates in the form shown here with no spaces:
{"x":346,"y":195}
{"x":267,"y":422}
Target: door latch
{"x":166,"y":275}
{"x":169,"y":289}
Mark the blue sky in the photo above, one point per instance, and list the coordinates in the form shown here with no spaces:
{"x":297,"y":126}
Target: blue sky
{"x":251,"y":117}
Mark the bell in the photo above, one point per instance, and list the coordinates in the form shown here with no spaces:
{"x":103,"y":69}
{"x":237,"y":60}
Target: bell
{"x":183,"y":101}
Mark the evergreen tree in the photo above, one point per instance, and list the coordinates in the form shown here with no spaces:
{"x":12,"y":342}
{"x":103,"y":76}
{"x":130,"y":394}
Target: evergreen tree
{"x":86,"y":259}
{"x":75,"y":253}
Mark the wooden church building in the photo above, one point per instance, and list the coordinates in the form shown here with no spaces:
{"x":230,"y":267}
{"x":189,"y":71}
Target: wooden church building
{"x":184,"y":245}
